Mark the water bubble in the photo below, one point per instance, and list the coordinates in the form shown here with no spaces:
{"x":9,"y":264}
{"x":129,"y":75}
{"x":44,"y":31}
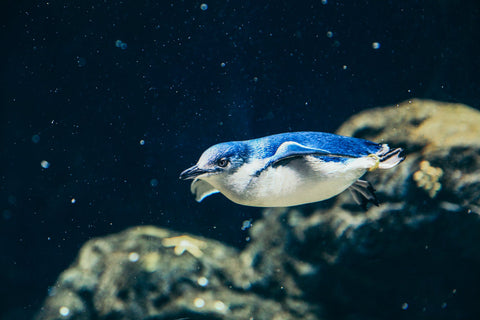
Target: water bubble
{"x":64,"y":311}
{"x":204,"y":6}
{"x":120,"y":44}
{"x":12,"y":199}
{"x":219,"y":305}
{"x":202,"y":281}
{"x":329,"y":34}
{"x":6,"y":214}
{"x":324,"y":2}
{"x":81,"y":62}
{"x":133,"y":256}
{"x":154,"y":182}
{"x":222,"y":64}
{"x":246,"y":224}
{"x":376,"y":45}
{"x":45,"y":164}
{"x":142,"y":142}
{"x":404,"y":306}
{"x":199,"y":302}
{"x":35,"y":138}
{"x":73,"y":200}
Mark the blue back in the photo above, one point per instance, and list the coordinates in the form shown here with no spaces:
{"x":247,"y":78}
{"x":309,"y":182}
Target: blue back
{"x":354,"y":147}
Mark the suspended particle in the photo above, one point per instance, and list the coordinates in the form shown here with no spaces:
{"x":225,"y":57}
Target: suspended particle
{"x":73,"y":200}
{"x":376,"y":45}
{"x":202,"y":281}
{"x":45,"y":164}
{"x":219,"y":305}
{"x":199,"y":302}
{"x":324,"y":2}
{"x":204,"y":6}
{"x":64,"y":311}
{"x":222,"y":64}
{"x":123,"y":46}
{"x":133,"y":256}
{"x":154,"y":182}
{"x":81,"y":62}
{"x":6,"y":214}
{"x":35,"y":138}
{"x":118,"y":43}
{"x":246,"y":224}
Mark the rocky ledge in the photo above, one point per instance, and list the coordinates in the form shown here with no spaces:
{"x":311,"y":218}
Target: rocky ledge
{"x":416,"y":256}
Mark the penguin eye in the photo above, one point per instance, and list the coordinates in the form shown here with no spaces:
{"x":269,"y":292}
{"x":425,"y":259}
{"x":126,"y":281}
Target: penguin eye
{"x":222,"y":162}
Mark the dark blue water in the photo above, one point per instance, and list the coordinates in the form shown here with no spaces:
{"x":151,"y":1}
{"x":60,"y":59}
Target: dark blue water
{"x":118,"y":97}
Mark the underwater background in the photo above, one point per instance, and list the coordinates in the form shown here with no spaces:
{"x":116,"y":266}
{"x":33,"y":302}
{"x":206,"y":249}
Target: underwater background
{"x":104,"y":103}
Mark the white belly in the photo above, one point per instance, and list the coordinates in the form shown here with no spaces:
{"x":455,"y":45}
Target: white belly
{"x":301,"y":181}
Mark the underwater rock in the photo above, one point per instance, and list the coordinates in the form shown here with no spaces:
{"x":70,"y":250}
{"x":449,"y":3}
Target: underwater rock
{"x":416,"y":256}
{"x":436,"y":134}
{"x":153,"y":273}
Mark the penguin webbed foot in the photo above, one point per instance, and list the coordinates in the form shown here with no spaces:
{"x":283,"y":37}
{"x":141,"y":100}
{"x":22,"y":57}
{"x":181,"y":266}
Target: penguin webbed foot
{"x":363,"y":192}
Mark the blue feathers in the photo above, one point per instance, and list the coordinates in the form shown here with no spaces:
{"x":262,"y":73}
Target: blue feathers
{"x":327,"y":142}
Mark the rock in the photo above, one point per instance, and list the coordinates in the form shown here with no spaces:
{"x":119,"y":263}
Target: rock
{"x":416,"y":256}
{"x":153,"y":273}
{"x":443,"y":135}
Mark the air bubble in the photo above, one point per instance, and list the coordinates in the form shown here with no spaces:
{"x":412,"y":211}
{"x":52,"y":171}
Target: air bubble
{"x":202,"y":281}
{"x":133,"y":256}
{"x":199,"y":302}
{"x":64,"y":311}
{"x":120,"y":44}
{"x":246,"y":224}
{"x":81,"y":62}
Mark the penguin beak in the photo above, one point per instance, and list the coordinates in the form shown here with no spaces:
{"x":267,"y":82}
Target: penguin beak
{"x":192,"y":173}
